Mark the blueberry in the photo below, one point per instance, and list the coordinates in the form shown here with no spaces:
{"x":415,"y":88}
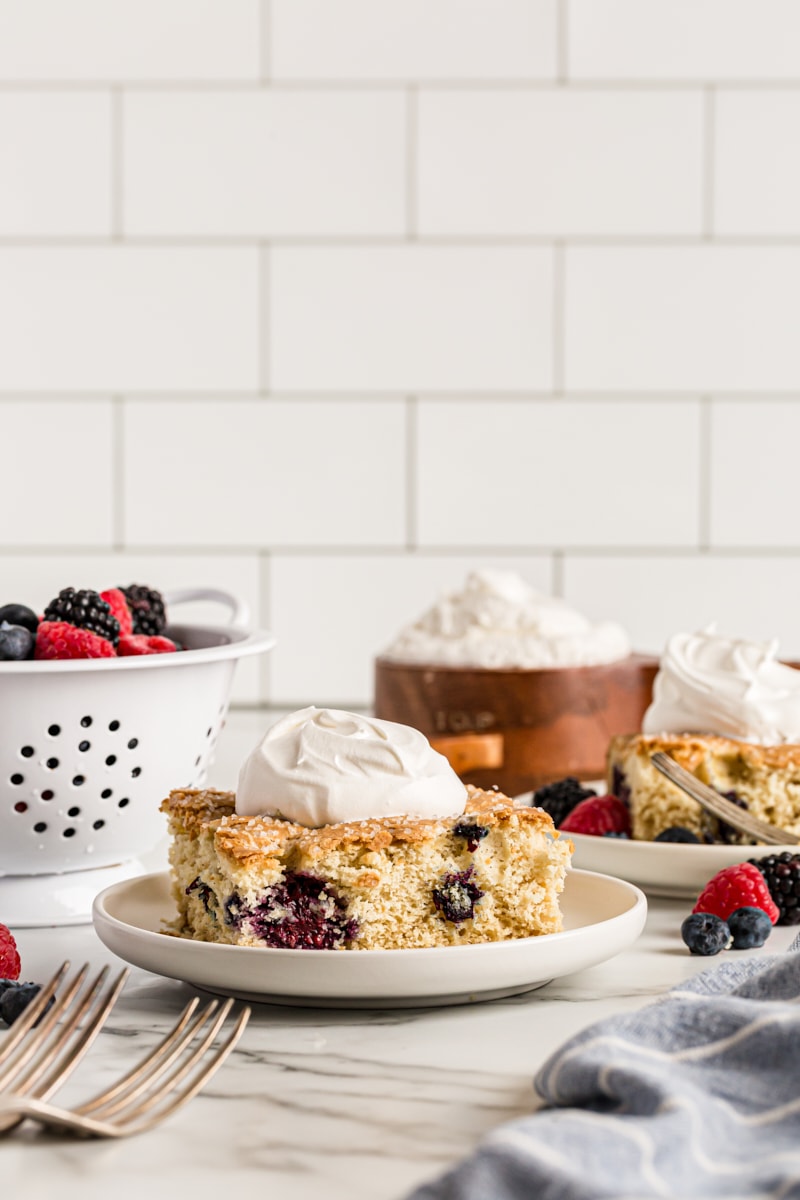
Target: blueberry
{"x":19,"y":614}
{"x":705,"y":933}
{"x":750,"y":927}
{"x":676,"y":833}
{"x":613,"y":833}
{"x":471,"y":832}
{"x":16,"y":999}
{"x":456,"y":895}
{"x":16,"y":642}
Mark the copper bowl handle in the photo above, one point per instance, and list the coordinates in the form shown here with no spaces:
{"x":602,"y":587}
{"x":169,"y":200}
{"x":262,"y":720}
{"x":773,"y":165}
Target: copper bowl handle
{"x":471,"y":751}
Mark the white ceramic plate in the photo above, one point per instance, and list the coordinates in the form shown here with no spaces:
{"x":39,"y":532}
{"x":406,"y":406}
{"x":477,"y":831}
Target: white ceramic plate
{"x":602,"y":916}
{"x":662,"y":868}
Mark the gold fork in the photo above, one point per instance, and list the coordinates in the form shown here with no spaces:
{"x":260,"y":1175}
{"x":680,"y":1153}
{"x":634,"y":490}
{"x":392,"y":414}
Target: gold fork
{"x":46,"y":1043}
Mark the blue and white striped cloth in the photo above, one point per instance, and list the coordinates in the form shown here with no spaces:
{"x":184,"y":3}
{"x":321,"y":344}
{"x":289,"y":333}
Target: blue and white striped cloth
{"x":696,"y":1095}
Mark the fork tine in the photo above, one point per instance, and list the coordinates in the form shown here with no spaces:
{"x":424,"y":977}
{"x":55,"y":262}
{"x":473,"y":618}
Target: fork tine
{"x":129,"y":1125}
{"x":30,"y":1015}
{"x":153,"y":1067}
{"x":150,"y":1063}
{"x":27,"y":1048}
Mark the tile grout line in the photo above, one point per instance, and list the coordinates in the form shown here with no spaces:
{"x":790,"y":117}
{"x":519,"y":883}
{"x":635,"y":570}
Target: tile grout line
{"x":704,"y":481}
{"x":412,"y":162}
{"x":709,"y":154}
{"x":117,"y":164}
{"x":265,"y":618}
{"x":118,"y":472}
{"x":412,"y":452}
{"x":559,"y":324}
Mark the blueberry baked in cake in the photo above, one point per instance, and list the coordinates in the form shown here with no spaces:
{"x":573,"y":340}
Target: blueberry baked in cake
{"x":350,"y":833}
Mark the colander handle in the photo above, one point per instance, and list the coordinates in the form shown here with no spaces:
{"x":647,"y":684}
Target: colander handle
{"x":239,"y":610}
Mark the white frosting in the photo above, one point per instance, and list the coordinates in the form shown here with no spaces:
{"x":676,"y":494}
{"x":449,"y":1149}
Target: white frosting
{"x":498,"y":621}
{"x":320,"y":766}
{"x":712,"y":684}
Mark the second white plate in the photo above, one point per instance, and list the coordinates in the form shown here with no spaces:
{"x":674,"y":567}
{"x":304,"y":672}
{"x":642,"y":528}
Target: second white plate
{"x":670,"y":869}
{"x":602,"y":916}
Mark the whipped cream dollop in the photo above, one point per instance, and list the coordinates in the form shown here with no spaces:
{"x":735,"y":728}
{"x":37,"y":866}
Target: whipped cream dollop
{"x":319,"y":766}
{"x":498,"y":620}
{"x":707,"y":683}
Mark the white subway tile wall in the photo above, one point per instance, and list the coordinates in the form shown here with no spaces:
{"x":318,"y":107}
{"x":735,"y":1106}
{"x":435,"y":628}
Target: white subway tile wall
{"x":326,"y":302}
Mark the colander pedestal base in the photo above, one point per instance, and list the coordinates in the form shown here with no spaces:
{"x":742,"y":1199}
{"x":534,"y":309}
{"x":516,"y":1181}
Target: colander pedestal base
{"x":33,"y":901}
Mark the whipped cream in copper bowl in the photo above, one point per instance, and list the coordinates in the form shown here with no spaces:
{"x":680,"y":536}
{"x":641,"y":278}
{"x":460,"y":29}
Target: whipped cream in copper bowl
{"x":708,"y":683}
{"x":320,"y":766}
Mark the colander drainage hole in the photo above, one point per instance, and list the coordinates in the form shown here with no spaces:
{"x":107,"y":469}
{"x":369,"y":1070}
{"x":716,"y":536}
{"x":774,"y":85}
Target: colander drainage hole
{"x":27,"y":751}
{"x":112,"y":758}
{"x":136,"y":772}
{"x":17,"y":779}
{"x":73,"y":812}
{"x":69,"y":832}
{"x":133,"y":743}
{"x":84,"y":746}
{"x":98,"y":824}
{"x":86,"y":722}
{"x":40,"y":827}
{"x":78,"y":780}
{"x":47,"y":794}
{"x":20,"y":806}
{"x":113,"y":726}
{"x":106,"y":793}
{"x":123,"y":803}
{"x":54,"y":730}
{"x":52,"y":763}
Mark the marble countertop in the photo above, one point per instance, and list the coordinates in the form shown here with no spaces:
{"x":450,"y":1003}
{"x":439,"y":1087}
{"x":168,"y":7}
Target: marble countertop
{"x":326,"y":1105}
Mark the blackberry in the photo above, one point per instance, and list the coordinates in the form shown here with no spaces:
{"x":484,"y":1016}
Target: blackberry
{"x":782,"y":876}
{"x":705,"y":933}
{"x":676,"y":833}
{"x":147,"y":609}
{"x":750,"y":927}
{"x":85,"y":610}
{"x":561,"y":797}
{"x":456,"y":896}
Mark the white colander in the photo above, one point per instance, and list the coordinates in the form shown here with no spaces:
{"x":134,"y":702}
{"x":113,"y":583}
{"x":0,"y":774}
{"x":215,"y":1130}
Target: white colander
{"x":89,"y":748}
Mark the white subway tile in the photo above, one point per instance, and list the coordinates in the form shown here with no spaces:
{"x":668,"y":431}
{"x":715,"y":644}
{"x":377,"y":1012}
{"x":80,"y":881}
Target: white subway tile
{"x":56,"y":481}
{"x":55,"y":164}
{"x":143,"y":318}
{"x":400,"y":317}
{"x":265,"y":162}
{"x":757,"y":172}
{"x":560,"y":162}
{"x":268,"y":473}
{"x":683,"y":39}
{"x":35,"y":579}
{"x":682,"y":318}
{"x":422,"y":39}
{"x":325,"y":652}
{"x":755,"y":493}
{"x":548,"y":473}
{"x":129,"y":39}
{"x":654,"y":597}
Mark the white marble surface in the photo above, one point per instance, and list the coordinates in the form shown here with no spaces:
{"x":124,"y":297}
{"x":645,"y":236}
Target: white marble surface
{"x":326,"y":1105}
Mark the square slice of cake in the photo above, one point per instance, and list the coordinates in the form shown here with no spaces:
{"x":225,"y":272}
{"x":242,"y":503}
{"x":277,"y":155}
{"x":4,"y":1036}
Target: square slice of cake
{"x":764,"y":780}
{"x":492,"y":873}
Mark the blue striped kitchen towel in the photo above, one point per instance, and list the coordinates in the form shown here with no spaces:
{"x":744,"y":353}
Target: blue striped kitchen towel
{"x":696,"y":1095}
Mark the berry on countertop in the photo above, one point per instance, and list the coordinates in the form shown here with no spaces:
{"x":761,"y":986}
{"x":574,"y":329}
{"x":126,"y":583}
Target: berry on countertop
{"x":561,"y":797}
{"x":115,"y":599}
{"x":9,"y":955}
{"x":677,"y":833}
{"x":739,"y":886}
{"x":147,"y":609}
{"x":16,"y":998}
{"x":704,"y":933}
{"x":598,"y":815}
{"x":750,"y":927}
{"x":58,"y":639}
{"x":85,"y":610}
{"x":19,"y":614}
{"x":137,"y":643}
{"x":16,"y":642}
{"x":782,"y":876}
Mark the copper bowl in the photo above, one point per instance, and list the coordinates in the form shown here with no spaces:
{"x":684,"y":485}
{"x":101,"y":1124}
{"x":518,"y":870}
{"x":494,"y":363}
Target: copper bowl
{"x":518,"y":728}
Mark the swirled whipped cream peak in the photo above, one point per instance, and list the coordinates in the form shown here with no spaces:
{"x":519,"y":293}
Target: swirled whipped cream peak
{"x":707,"y":683}
{"x":320,"y":766}
{"x":497,"y":620}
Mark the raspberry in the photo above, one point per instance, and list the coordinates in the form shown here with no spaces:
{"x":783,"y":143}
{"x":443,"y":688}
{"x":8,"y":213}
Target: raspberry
{"x":739,"y":886}
{"x":599,"y":815}
{"x":561,"y":797}
{"x":59,"y":639}
{"x":9,"y":955}
{"x":115,"y":599}
{"x":147,"y":609}
{"x":137,"y":643}
{"x":85,"y":610}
